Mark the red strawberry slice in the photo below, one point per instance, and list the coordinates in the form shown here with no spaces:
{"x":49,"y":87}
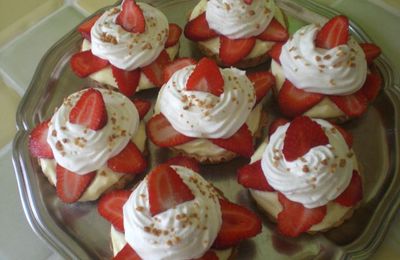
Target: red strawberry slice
{"x":262,"y":81}
{"x":110,"y":207}
{"x":84,"y":28}
{"x":206,"y":77}
{"x":372,"y":85}
{"x":127,"y":81}
{"x":198,"y":29}
{"x":131,"y":17}
{"x":302,"y":135}
{"x":232,"y":51}
{"x":252,"y":176}
{"x":166,"y":189}
{"x":275,"y":52}
{"x":241,"y":142}
{"x":294,"y":102}
{"x":70,"y":186}
{"x":352,"y":105}
{"x":353,"y":193}
{"x":90,"y":110}
{"x":248,"y":1}
{"x":185,"y":162}
{"x":142,"y":106}
{"x":38,"y":145}
{"x":174,"y":34}
{"x":161,"y":132}
{"x":209,"y":255}
{"x":127,"y":253}
{"x":275,"y":124}
{"x":238,"y":223}
{"x":295,"y":219}
{"x":346,"y":135}
{"x":274,"y":32}
{"x":85,"y":63}
{"x":176,"y":65}
{"x":130,"y":160}
{"x":334,"y":33}
{"x":371,"y":51}
{"x":154,"y":71}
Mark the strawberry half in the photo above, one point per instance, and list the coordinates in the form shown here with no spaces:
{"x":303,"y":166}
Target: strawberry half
{"x":90,"y":110}
{"x":38,"y":145}
{"x":142,"y":106}
{"x":275,"y":124}
{"x":206,"y":77}
{"x":274,"y":32}
{"x":241,"y":142}
{"x":252,"y":176}
{"x":238,"y":223}
{"x":302,"y":135}
{"x":248,"y":2}
{"x":295,"y":219}
{"x":84,"y":28}
{"x":85,"y":63}
{"x":372,"y":85}
{"x":353,"y":193}
{"x":294,"y":102}
{"x":110,"y":207}
{"x":154,"y":71}
{"x":130,"y":160}
{"x":262,"y":81}
{"x":131,"y":17}
{"x":161,"y":132}
{"x":346,"y":135}
{"x":166,"y":189}
{"x":185,"y":162}
{"x":127,"y":253}
{"x":352,"y":105}
{"x":174,"y":34}
{"x":371,"y":51}
{"x":127,"y":81}
{"x":232,"y":51}
{"x":198,"y":29}
{"x":209,"y":255}
{"x":334,"y":33}
{"x":275,"y":52}
{"x":176,"y":65}
{"x":70,"y":186}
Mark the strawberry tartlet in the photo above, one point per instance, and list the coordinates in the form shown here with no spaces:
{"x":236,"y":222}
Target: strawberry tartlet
{"x":306,"y":177}
{"x":208,"y":113}
{"x":324,"y":73}
{"x":174,"y":213}
{"x":236,"y":32}
{"x":93,"y":143}
{"x":127,"y":47}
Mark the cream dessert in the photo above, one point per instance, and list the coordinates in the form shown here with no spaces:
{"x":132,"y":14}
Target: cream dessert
{"x":127,"y":47}
{"x":305,"y":177}
{"x":236,"y":32}
{"x":93,"y":142}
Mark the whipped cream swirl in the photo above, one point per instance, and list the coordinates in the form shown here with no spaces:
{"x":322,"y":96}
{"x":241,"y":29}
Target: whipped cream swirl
{"x":338,"y":71}
{"x":204,"y":115}
{"x":236,"y":19}
{"x":127,"y":50}
{"x":186,"y":231}
{"x":316,"y":178}
{"x":83,"y":150}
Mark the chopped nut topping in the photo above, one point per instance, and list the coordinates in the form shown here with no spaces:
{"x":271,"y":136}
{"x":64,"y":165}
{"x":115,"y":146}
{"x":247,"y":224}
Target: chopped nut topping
{"x":306,"y":169}
{"x":104,"y":37}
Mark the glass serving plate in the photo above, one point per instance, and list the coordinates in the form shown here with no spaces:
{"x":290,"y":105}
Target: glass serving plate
{"x":77,"y":231}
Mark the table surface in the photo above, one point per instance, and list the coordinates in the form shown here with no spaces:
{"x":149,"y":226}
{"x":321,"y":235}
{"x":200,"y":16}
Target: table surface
{"x":29,"y":28}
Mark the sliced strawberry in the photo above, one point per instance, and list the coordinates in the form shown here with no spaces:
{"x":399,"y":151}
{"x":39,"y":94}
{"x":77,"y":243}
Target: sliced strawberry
{"x":371,"y":51}
{"x":241,"y":142}
{"x":176,"y":65}
{"x":130,"y":160}
{"x":198,"y":29}
{"x":166,"y":189}
{"x":38,"y":145}
{"x":110,"y":207}
{"x":84,"y":28}
{"x":127,"y":81}
{"x":294,"y":102}
{"x":346,"y":135}
{"x":334,"y":33}
{"x":274,"y":32}
{"x":252,"y":176}
{"x":372,"y":85}
{"x":275,"y":52}
{"x":206,"y":77}
{"x":209,"y":255}
{"x":262,"y":81}
{"x":238,"y":223}
{"x":232,"y":51}
{"x":154,"y":71}
{"x":127,"y":253}
{"x":85,"y":63}
{"x":352,"y":105}
{"x":70,"y":186}
{"x":275,"y":124}
{"x":131,"y":17}
{"x":353,"y":193}
{"x":142,"y":106}
{"x":248,"y":1}
{"x":295,"y":219}
{"x":90,"y":110}
{"x":174,"y":34}
{"x":302,"y":135}
{"x":185,"y":162}
{"x":161,"y":132}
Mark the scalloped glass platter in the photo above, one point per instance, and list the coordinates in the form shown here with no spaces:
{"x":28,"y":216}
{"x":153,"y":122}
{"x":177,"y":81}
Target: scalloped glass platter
{"x":77,"y":231}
